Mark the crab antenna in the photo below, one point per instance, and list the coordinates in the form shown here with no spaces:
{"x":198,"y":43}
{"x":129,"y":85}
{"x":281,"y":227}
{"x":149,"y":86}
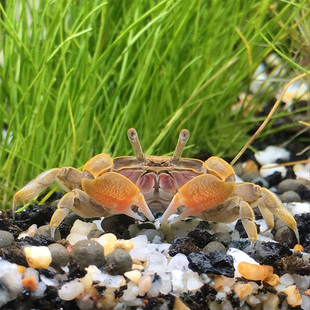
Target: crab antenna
{"x":134,"y":140}
{"x":183,"y":138}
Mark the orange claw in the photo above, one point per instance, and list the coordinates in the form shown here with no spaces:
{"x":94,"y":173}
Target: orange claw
{"x":116,"y":192}
{"x":203,"y":192}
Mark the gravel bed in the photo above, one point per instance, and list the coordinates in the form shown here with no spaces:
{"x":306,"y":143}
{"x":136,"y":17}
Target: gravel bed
{"x":120,"y":263}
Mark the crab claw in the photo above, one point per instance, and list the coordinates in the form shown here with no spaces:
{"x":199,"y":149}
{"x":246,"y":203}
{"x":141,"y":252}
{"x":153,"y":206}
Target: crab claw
{"x":116,"y":192}
{"x":203,"y":192}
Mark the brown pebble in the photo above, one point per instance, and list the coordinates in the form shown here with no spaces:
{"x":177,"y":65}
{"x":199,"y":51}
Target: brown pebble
{"x":250,"y":166}
{"x":273,"y":280}
{"x":254,"y":272}
{"x":298,"y":247}
{"x":179,"y":304}
{"x":30,"y":284}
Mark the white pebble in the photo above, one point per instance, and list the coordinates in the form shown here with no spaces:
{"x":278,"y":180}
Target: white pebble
{"x":82,"y":228}
{"x":302,"y":171}
{"x":305,"y":302}
{"x":140,"y":253}
{"x":145,"y":284}
{"x":131,"y":292}
{"x":31,"y":272}
{"x":39,"y":292}
{"x":178,"y":262}
{"x":286,"y":280}
{"x":29,"y":232}
{"x":271,"y":154}
{"x":269,"y":169}
{"x":108,"y":280}
{"x":297,"y":207}
{"x":165,"y":287}
{"x":73,"y":238}
{"x":177,"y":281}
{"x":140,"y":240}
{"x":48,"y":281}
{"x":193,"y":281}
{"x":302,"y":282}
{"x":162,"y":248}
{"x":156,"y":262}
{"x":71,"y":290}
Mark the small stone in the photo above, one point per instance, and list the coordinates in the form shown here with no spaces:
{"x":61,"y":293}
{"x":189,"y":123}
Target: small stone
{"x":286,"y":236}
{"x":288,"y":185}
{"x":145,"y":284}
{"x":118,"y":262}
{"x":179,"y":304}
{"x":223,"y":237}
{"x":213,"y":246}
{"x":30,"y":284}
{"x":88,"y":252}
{"x":82,"y":228}
{"x":293,"y":296}
{"x":249,"y":166}
{"x":290,"y":196}
{"x":275,"y":178}
{"x":261,"y":182}
{"x":6,"y":239}
{"x":254,"y":272}
{"x":243,"y":290}
{"x":75,"y":237}
{"x":286,"y":280}
{"x":304,"y":192}
{"x":182,"y":245}
{"x":38,"y":256}
{"x":273,"y":280}
{"x":108,"y":242}
{"x":45,"y":231}
{"x":71,"y":290}
{"x":200,"y":237}
{"x":151,"y":234}
{"x":249,"y":176}
{"x":271,"y":154}
{"x":212,"y":262}
{"x":118,"y":225}
{"x":133,"y":275}
{"x":60,"y":256}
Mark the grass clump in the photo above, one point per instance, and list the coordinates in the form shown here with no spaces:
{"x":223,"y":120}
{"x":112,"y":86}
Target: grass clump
{"x":75,"y":75}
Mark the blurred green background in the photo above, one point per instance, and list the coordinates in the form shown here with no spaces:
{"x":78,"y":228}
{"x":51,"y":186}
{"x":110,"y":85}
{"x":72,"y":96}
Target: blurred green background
{"x":75,"y":75}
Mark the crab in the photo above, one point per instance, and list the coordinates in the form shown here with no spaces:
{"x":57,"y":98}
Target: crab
{"x":124,"y":184}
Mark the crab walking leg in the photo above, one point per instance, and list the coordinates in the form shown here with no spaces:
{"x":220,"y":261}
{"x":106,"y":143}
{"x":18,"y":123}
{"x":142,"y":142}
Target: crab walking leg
{"x":274,"y":205}
{"x":201,"y":193}
{"x":229,"y":211}
{"x":79,"y":202}
{"x":35,"y":186}
{"x":116,"y":192}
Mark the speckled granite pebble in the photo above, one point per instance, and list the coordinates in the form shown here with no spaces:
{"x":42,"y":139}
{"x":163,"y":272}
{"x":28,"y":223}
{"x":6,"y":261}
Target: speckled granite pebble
{"x":60,"y":256}
{"x":118,"y":262}
{"x":88,"y":252}
{"x":6,"y":239}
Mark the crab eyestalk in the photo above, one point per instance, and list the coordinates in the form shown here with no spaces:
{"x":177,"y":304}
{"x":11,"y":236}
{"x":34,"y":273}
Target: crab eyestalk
{"x":134,"y":140}
{"x":183,"y":138}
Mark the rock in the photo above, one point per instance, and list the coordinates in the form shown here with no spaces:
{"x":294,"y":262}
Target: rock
{"x":290,"y":196}
{"x":38,"y":256}
{"x":215,"y":262}
{"x":151,"y":234}
{"x":223,"y":237}
{"x":254,"y":272}
{"x":118,"y":225}
{"x":71,"y":290}
{"x":304,"y":192}
{"x":45,"y":232}
{"x":60,"y":256}
{"x":303,"y":224}
{"x":261,"y":182}
{"x":288,"y":185}
{"x":200,"y":237}
{"x":118,"y":262}
{"x":6,"y":239}
{"x":88,"y":252}
{"x":267,"y":253}
{"x":183,"y":245}
{"x":213,"y":246}
{"x":249,"y":176}
{"x":286,"y":236}
{"x":271,"y":154}
{"x":274,"y":179}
